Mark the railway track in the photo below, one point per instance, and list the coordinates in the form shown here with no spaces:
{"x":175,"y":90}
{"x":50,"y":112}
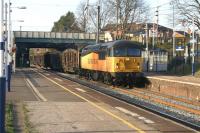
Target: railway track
{"x":163,"y":105}
{"x":175,"y":102}
{"x":180,"y":99}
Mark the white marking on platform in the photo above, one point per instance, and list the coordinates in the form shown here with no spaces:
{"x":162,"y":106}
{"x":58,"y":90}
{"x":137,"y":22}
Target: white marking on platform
{"x":58,"y":79}
{"x":127,"y":111}
{"x":97,"y":106}
{"x":36,"y":91}
{"x":71,"y":85}
{"x":47,"y":74}
{"x":134,"y":115}
{"x":148,"y":121}
{"x":81,"y":90}
{"x":142,"y":118}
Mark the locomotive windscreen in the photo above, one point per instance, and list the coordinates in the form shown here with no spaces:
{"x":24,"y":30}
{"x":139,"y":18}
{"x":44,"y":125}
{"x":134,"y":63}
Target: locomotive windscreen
{"x":126,"y":52}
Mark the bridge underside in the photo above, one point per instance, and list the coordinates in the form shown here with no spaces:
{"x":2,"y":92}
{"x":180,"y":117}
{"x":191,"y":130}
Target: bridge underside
{"x":51,"y":42}
{"x":24,"y":44}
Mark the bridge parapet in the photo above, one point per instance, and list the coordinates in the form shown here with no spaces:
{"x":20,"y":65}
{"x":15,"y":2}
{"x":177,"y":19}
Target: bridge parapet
{"x":57,"y":35}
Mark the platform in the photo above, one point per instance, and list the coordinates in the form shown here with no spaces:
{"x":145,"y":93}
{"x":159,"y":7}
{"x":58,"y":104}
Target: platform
{"x":62,"y":112}
{"x":56,"y":105}
{"x":187,"y":87}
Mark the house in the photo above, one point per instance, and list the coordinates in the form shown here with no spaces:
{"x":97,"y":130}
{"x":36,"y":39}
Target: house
{"x":182,"y":38}
{"x":137,"y":32}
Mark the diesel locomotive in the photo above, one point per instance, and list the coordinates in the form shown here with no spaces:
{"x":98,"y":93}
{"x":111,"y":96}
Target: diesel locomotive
{"x":117,"y":62}
{"x":113,"y":62}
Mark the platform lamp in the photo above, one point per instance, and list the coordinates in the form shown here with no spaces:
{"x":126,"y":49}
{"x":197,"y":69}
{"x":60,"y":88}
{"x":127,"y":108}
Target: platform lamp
{"x":193,"y":43}
{"x":10,"y":44}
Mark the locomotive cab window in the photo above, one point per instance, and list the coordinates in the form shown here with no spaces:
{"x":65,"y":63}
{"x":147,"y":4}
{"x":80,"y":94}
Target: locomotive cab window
{"x":126,"y":52}
{"x":119,"y":52}
{"x":102,"y":55}
{"x":110,"y":52}
{"x":133,"y":52}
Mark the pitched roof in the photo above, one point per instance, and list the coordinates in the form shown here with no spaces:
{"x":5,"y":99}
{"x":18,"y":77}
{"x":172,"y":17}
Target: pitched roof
{"x":182,"y":33}
{"x":135,"y":27}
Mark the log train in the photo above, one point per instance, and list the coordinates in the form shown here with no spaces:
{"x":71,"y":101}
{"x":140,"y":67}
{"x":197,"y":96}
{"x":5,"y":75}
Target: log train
{"x":118,"y":62}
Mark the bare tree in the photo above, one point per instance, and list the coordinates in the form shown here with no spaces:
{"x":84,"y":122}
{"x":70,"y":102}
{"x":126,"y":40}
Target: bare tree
{"x":81,"y":13}
{"x":188,"y":9}
{"x":106,"y":13}
{"x":87,"y":16}
{"x":128,"y":11}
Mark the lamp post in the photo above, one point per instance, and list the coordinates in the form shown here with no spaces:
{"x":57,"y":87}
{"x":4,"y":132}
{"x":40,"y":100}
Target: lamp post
{"x":10,"y":44}
{"x":147,"y":46}
{"x":6,"y":46}
{"x":9,"y":40}
{"x":98,"y":22}
{"x":98,"y":19}
{"x":174,"y":47}
{"x":2,"y":72}
{"x":193,"y":52}
{"x":117,"y":15}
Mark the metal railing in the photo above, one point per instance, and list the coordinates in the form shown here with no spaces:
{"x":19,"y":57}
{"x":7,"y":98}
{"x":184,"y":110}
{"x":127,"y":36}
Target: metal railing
{"x":38,"y":34}
{"x":156,"y":61}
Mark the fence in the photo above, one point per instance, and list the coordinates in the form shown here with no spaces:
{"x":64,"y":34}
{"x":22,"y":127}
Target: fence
{"x":155,"y":61}
{"x":180,"y":65}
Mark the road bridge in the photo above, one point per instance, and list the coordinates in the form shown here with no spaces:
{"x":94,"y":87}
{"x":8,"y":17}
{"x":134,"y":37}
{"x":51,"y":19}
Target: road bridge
{"x":25,"y":40}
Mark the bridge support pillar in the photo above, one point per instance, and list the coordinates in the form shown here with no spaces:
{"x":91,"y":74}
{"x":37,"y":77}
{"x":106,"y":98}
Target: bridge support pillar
{"x":22,"y":57}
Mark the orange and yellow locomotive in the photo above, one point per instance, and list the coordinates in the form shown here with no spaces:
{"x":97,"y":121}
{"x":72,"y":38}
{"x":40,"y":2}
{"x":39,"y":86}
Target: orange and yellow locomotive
{"x":118,"y":62}
{"x":114,"y":62}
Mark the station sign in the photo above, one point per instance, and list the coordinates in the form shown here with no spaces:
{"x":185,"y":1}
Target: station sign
{"x":193,"y":41}
{"x":179,"y":48}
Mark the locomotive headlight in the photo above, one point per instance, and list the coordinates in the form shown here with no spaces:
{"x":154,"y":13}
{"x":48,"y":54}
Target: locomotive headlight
{"x":127,"y":59}
{"x":117,"y":66}
{"x":138,"y":65}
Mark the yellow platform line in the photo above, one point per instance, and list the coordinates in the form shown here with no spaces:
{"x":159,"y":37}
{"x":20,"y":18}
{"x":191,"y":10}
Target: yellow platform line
{"x":97,"y":106}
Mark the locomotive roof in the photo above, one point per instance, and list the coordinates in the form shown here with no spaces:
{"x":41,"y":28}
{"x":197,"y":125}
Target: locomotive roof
{"x":121,"y":43}
{"x":104,"y":46}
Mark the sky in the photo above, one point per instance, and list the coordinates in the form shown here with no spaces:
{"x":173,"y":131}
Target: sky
{"x":41,"y":14}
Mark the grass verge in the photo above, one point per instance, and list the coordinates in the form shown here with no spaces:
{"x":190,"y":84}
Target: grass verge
{"x":9,"y":118}
{"x":28,"y":126}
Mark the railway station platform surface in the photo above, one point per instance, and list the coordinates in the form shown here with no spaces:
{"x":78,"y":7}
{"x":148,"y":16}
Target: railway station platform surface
{"x":49,"y":108}
{"x":180,"y":86}
{"x":184,"y":79}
